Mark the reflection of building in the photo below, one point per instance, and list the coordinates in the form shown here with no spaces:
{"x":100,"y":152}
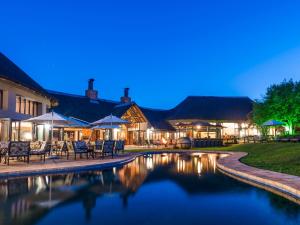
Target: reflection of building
{"x":20,"y":98}
{"x":24,"y":200}
{"x":133,"y":174}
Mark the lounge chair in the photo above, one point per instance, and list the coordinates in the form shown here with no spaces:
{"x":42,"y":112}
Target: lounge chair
{"x":108,"y":148}
{"x":80,"y":147}
{"x":18,"y":149}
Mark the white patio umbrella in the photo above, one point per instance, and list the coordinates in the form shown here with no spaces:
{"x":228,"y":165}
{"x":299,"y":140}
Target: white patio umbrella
{"x":106,"y":127}
{"x":52,"y":118}
{"x":109,"y":122}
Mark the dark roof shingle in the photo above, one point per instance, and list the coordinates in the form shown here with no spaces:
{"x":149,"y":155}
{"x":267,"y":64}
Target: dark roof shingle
{"x":157,"y":118}
{"x":82,"y":107}
{"x":213,"y":108}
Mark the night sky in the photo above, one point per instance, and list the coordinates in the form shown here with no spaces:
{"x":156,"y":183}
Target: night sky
{"x":163,"y":50}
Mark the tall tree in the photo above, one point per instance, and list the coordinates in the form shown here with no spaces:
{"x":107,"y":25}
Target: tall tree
{"x":281,"y":102}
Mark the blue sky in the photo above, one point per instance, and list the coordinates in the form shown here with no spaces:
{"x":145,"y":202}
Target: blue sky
{"x":164,"y":50}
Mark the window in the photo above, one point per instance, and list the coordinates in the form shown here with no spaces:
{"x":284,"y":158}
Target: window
{"x":18,"y":104}
{"x":28,"y":107}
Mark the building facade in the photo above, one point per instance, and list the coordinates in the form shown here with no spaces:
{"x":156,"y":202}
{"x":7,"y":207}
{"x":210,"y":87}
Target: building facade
{"x":196,"y":116}
{"x":20,"y":98}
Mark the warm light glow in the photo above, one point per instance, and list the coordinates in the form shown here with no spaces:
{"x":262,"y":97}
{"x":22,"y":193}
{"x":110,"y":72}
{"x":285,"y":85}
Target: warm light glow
{"x":149,"y":163}
{"x":199,"y":168}
{"x":27,"y":136}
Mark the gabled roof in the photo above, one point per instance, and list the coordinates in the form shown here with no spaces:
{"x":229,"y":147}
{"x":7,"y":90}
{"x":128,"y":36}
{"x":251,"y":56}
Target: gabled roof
{"x":82,"y":107}
{"x":157,"y":118}
{"x":120,"y":109}
{"x":10,"y":71}
{"x":213,"y":108}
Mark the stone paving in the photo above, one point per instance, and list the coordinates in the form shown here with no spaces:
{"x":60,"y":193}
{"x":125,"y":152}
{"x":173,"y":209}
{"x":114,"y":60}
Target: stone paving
{"x":36,"y":166}
{"x":285,"y":183}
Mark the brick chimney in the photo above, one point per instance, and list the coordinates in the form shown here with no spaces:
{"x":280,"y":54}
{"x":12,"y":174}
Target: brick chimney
{"x":126,"y":98}
{"x":90,"y":92}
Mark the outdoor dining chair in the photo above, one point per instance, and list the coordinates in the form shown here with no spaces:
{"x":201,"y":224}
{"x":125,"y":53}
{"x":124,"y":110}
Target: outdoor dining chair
{"x":42,"y":151}
{"x":98,"y":147}
{"x":108,"y":148}
{"x":80,"y":147}
{"x":18,"y":149}
{"x":119,"y":146}
{"x":3,"y":149}
{"x":62,"y":148}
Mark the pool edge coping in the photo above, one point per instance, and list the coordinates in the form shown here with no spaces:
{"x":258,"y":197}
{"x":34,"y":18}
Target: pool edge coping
{"x":266,"y":179}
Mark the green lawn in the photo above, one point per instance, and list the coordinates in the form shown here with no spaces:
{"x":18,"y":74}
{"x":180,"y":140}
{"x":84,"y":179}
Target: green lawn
{"x":280,"y":157}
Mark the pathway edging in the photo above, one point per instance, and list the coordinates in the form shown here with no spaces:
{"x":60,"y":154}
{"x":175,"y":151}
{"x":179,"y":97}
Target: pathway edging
{"x":287,"y":184}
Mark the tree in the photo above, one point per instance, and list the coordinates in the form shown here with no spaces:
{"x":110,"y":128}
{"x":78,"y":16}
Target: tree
{"x":281,"y":102}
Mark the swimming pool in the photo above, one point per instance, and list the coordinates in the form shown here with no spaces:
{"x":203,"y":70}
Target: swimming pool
{"x":152,"y":189}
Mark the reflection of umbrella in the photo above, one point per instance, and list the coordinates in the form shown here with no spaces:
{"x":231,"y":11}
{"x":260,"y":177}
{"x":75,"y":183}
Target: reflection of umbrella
{"x":272,"y":123}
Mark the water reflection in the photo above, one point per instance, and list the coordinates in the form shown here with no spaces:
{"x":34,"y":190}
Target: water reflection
{"x":28,"y":200}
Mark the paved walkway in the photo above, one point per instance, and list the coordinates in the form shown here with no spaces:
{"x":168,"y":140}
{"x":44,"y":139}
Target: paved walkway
{"x":61,"y":165}
{"x":287,"y":184}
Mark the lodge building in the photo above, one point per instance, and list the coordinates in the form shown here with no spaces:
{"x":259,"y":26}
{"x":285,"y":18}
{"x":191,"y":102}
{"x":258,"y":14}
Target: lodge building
{"x":20,"y":98}
{"x":195,"y":117}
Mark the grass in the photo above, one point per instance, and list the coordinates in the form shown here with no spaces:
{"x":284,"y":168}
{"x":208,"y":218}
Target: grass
{"x":279,"y":157}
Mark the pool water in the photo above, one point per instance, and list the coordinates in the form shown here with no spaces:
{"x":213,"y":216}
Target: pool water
{"x":153,"y":189}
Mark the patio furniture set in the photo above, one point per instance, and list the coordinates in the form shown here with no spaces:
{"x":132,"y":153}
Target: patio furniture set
{"x":23,"y":150}
{"x":270,"y":139}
